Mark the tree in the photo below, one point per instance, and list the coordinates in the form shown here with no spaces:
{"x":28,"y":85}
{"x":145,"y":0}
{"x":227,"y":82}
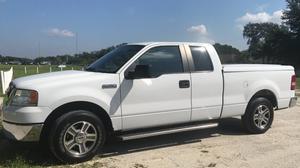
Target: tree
{"x":229,"y":54}
{"x":265,"y":40}
{"x":291,"y":17}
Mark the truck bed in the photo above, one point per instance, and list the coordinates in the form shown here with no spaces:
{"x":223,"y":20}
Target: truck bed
{"x":242,"y":81}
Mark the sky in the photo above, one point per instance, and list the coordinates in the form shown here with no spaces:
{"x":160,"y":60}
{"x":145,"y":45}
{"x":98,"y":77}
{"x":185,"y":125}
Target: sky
{"x":32,"y":28}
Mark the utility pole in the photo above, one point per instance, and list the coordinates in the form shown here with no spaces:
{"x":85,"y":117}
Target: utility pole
{"x":76,"y":43}
{"x":39,"y":50}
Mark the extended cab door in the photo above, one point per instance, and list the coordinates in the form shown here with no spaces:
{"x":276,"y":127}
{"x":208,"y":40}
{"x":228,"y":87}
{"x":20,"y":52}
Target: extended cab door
{"x":207,"y":82}
{"x":160,"y":92}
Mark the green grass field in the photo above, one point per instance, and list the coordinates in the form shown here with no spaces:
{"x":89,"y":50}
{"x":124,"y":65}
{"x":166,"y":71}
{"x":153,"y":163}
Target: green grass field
{"x":19,"y":70}
{"x":32,"y":69}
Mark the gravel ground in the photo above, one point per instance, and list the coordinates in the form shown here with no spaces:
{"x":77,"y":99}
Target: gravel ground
{"x":224,"y":146}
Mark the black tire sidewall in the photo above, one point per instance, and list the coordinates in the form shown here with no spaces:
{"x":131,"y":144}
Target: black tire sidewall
{"x":60,"y":126}
{"x":249,"y":115}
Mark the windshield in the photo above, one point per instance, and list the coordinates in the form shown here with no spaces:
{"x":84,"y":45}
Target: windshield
{"x":114,"y":60}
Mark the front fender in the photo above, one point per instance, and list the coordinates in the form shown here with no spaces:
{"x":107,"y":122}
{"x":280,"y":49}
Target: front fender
{"x":109,"y":100}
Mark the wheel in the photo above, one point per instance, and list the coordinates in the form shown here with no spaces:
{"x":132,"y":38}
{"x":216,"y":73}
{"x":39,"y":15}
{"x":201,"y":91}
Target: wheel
{"x":259,"y":115}
{"x":76,"y":136}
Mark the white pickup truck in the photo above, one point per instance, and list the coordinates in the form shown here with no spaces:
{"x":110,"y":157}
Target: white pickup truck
{"x":140,"y":90}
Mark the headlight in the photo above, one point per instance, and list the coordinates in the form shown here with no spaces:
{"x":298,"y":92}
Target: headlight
{"x":20,"y":97}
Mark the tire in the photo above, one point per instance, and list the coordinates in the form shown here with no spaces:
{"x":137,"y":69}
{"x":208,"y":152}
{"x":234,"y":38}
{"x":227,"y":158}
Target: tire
{"x":259,"y":116}
{"x":76,"y":136}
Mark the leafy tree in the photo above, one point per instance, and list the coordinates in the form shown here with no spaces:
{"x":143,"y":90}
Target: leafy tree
{"x":291,"y":17}
{"x":275,"y":43}
{"x":229,"y":54}
{"x":7,"y":59}
{"x":265,"y":41}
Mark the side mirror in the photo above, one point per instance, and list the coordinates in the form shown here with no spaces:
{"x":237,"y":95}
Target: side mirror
{"x":139,"y":72}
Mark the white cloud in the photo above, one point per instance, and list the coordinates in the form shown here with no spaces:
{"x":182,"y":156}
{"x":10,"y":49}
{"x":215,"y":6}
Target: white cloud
{"x":201,"y":29}
{"x":260,"y":17}
{"x":200,"y":34}
{"x":60,"y":32}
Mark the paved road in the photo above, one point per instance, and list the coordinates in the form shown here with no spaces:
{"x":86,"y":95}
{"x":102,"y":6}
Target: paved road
{"x":225,"y":146}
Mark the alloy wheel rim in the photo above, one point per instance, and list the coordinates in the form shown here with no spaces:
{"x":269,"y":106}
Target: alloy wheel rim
{"x":80,"y":138}
{"x":262,"y":116}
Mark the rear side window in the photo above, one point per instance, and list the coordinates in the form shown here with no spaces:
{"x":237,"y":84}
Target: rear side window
{"x":201,"y":59}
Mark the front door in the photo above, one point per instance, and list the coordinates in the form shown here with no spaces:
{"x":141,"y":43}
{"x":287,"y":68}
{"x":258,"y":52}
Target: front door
{"x":162,"y":98}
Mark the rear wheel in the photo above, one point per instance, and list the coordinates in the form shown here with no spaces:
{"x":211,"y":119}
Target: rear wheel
{"x":76,"y":136}
{"x":259,"y":115}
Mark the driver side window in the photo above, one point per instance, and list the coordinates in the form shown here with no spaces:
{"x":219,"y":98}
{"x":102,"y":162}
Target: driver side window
{"x":162,"y":60}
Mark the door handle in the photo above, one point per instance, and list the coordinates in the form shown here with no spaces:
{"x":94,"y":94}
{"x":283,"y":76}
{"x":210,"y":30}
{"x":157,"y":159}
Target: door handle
{"x":184,"y":84}
{"x":109,"y":86}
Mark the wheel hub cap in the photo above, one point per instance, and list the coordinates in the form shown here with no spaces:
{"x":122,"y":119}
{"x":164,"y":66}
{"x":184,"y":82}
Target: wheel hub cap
{"x":262,"y":116}
{"x":80,"y":138}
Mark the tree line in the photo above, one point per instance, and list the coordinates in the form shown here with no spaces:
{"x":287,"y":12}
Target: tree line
{"x":82,"y":59}
{"x":276,"y":43}
{"x":228,"y":54}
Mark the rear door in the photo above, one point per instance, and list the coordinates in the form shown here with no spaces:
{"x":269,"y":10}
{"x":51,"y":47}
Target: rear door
{"x":207,"y":84}
{"x":164,"y":97}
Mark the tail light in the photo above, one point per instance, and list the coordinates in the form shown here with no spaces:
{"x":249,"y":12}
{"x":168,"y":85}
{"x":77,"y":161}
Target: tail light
{"x":293,"y":82}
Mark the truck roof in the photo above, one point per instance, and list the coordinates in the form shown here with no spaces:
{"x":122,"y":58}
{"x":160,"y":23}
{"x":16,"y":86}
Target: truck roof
{"x":168,"y":43}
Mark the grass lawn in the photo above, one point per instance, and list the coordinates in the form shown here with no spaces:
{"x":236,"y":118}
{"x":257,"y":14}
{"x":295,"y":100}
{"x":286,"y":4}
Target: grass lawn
{"x":19,"y":70}
{"x":32,"y":69}
{"x":298,"y":83}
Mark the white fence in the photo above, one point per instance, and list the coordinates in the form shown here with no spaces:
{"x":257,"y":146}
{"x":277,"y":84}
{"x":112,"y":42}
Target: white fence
{"x":6,"y":77}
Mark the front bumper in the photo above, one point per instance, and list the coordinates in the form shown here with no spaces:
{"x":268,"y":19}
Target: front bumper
{"x":19,"y":132}
{"x":23,"y":123}
{"x":293,"y":102}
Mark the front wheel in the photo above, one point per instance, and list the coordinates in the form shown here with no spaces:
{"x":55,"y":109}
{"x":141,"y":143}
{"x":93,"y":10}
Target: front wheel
{"x":76,"y":136}
{"x":259,"y":116}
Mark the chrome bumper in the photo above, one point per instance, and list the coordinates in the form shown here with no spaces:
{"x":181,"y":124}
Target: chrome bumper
{"x":293,"y":102}
{"x":22,"y":132}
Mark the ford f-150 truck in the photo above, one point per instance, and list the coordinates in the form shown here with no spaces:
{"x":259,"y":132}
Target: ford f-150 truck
{"x":140,"y":90}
